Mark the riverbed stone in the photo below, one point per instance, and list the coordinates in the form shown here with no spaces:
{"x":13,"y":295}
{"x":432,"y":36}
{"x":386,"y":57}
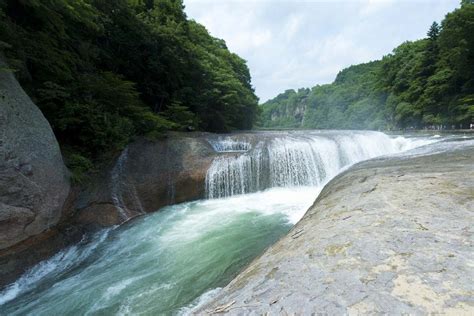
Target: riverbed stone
{"x":387,"y":236}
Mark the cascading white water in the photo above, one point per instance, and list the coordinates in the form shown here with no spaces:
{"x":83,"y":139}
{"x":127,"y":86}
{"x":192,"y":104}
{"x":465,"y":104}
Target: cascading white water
{"x":227,"y":144}
{"x":236,"y":174}
{"x":297,"y":159}
{"x":302,"y":161}
{"x":119,"y":187}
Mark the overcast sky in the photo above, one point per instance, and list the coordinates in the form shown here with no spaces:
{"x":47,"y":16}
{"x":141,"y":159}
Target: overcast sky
{"x":295,"y":44}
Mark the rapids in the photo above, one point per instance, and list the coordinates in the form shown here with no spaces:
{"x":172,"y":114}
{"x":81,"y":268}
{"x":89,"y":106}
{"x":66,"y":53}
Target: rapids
{"x":161,"y":263}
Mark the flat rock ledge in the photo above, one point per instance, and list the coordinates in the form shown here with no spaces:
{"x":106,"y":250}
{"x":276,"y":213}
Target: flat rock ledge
{"x":387,"y":236}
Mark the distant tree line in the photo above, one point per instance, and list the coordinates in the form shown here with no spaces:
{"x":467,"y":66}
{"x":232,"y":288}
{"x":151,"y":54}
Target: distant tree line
{"x":427,"y":83}
{"x":105,"y":71}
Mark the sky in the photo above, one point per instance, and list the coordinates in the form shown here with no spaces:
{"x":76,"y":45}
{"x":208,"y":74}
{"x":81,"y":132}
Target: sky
{"x":291,"y":44}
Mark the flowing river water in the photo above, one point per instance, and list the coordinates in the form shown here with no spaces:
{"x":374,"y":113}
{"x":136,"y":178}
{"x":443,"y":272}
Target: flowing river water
{"x":169,"y":261}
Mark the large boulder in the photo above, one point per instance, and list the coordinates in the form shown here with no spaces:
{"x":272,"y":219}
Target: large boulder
{"x":391,"y":236}
{"x":33,"y":179}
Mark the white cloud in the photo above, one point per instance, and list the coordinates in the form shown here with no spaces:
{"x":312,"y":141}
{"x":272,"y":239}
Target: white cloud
{"x":293,"y":25}
{"x":372,"y":6}
{"x":294,"y":44}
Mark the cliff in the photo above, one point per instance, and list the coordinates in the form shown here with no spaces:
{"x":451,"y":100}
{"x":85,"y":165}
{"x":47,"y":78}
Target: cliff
{"x":352,"y":101}
{"x":287,"y":110}
{"x":387,"y":236}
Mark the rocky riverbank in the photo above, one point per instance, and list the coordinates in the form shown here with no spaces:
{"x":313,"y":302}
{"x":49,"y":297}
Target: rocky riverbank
{"x":40,"y":213}
{"x":386,"y":236}
{"x":146,"y":177}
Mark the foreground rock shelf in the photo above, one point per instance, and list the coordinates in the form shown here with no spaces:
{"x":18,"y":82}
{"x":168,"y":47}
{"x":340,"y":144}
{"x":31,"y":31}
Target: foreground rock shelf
{"x":387,"y":236}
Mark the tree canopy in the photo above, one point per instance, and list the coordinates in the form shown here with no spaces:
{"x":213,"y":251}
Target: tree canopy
{"x":105,"y":71}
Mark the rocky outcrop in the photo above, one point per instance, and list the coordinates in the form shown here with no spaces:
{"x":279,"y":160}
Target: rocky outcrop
{"x":33,"y":179}
{"x":290,"y":108}
{"x":145,"y":177}
{"x":388,"y":236}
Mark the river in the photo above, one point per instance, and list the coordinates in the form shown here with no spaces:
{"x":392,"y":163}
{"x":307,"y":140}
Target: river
{"x":169,"y":261}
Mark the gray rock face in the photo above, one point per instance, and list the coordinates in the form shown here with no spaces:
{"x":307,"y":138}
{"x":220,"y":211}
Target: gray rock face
{"x":387,"y":236}
{"x":295,"y":112}
{"x":33,"y":179}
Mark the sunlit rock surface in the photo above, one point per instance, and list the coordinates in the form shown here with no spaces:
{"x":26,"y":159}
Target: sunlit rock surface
{"x":387,"y":236}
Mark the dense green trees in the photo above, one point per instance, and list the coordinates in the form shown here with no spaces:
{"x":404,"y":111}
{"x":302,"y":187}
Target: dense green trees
{"x":104,"y":71}
{"x":351,"y":102}
{"x":431,"y":82}
{"x":426,"y":83}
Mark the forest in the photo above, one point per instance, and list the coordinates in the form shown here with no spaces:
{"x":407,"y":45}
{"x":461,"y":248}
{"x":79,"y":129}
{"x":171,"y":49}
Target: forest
{"x":106,"y":71}
{"x":428,"y":83}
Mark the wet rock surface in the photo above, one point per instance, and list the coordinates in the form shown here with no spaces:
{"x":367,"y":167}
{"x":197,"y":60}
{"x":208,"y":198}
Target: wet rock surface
{"x":145,"y":177}
{"x":386,"y":236}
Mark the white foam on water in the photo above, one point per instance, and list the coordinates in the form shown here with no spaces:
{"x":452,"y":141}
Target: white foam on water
{"x":211,"y":214}
{"x":55,"y":265}
{"x":228,"y":144}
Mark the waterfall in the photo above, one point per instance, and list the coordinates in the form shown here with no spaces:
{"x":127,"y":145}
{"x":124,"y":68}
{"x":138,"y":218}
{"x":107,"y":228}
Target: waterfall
{"x":120,"y":189}
{"x":293,"y":159}
{"x":227,"y":144}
